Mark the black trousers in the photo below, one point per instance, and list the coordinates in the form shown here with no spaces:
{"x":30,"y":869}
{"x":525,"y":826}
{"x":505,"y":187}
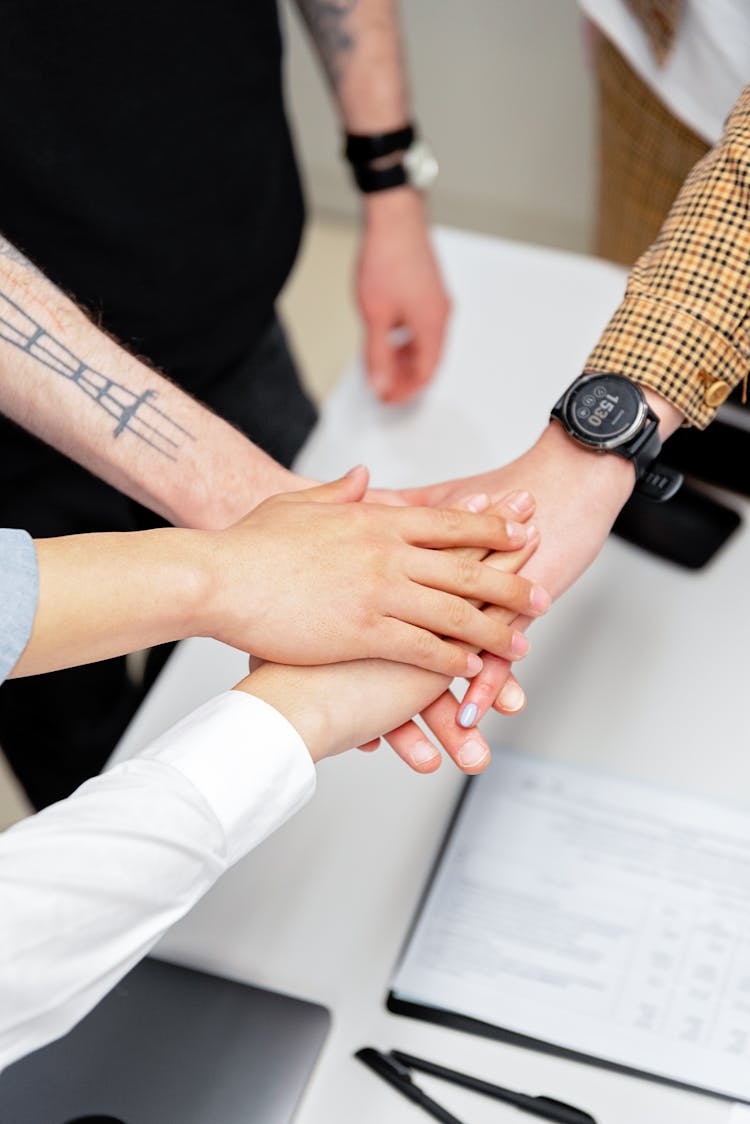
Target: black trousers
{"x":58,"y":730}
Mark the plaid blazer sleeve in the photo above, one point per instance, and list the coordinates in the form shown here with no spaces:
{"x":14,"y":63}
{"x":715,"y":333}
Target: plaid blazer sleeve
{"x":682,"y":328}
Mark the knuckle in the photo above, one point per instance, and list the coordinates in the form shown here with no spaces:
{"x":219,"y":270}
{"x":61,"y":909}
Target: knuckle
{"x":458,"y":612}
{"x":451,"y":519}
{"x":468,"y":572}
{"x":425,"y":645}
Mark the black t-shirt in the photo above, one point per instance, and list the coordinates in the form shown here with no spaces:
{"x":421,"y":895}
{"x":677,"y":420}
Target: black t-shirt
{"x":146,"y":166}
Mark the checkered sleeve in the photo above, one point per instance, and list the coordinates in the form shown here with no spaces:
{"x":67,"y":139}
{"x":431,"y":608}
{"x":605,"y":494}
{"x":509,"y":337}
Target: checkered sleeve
{"x":682,"y":328}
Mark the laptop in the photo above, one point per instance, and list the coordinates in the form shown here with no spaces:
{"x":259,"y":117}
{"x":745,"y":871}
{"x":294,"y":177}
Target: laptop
{"x":172,"y":1046}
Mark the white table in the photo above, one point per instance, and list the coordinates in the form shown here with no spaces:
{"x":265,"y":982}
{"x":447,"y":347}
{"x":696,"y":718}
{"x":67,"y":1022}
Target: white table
{"x":321,"y":909}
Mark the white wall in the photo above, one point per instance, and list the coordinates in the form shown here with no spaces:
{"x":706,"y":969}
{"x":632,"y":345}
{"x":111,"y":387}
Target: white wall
{"x":503,"y":92}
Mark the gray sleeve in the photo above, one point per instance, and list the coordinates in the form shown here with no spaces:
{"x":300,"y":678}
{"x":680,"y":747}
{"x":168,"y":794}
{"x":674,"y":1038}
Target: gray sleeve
{"x":19,"y":590}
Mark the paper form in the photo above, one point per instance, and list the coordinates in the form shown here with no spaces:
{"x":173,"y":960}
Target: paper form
{"x":603,"y":915}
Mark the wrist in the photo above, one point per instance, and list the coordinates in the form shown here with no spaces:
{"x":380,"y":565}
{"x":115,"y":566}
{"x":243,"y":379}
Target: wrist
{"x":383,"y":208}
{"x":291,"y":691}
{"x":606,"y":476}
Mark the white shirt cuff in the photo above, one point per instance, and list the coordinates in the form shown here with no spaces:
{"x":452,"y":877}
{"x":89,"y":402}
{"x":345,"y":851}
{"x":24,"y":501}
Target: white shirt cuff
{"x":249,"y":763}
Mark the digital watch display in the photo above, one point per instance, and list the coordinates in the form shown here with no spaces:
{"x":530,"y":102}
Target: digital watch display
{"x":609,"y":413}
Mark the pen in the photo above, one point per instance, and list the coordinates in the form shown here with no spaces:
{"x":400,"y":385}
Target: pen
{"x":396,"y":1075}
{"x":545,"y":1107}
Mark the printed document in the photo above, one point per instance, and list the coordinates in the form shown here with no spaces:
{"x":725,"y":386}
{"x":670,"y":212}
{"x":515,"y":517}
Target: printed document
{"x":603,"y":915}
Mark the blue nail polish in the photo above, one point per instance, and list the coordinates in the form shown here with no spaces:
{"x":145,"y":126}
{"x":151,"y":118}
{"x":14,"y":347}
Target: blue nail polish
{"x":468,"y":715}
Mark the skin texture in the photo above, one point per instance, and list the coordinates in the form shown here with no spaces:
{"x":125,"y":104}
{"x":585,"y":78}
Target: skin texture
{"x":310,"y":578}
{"x":341,"y":705}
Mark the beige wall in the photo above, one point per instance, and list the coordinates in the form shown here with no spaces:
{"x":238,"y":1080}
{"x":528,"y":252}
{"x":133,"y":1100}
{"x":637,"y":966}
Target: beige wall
{"x":503,"y":91}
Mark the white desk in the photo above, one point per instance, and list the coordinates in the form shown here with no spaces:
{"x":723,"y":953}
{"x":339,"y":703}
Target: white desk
{"x":321,"y":909}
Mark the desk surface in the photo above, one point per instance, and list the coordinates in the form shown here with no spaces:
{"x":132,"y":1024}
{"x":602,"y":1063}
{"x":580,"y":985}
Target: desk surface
{"x":322,"y":908}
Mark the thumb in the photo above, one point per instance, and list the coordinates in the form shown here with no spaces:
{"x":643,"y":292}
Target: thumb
{"x":347,"y":489}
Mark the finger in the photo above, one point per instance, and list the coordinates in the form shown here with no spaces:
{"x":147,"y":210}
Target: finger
{"x":414,"y":748}
{"x":449,"y":527}
{"x":445,"y":615}
{"x":347,"y":489}
{"x":466,"y":577}
{"x":429,"y":336}
{"x":370,"y":747}
{"x":485,"y":689}
{"x":402,"y":641}
{"x":467,"y":748}
{"x":379,"y":357}
{"x":511,"y":699}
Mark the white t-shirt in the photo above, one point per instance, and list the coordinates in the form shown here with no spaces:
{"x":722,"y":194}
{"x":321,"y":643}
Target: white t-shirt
{"x":708,"y":65}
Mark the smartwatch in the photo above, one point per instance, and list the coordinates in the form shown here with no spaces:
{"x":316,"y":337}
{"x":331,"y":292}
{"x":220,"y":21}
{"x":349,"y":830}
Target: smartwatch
{"x":609,"y":414}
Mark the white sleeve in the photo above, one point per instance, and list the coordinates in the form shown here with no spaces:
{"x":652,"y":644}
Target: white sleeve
{"x":90,"y":884}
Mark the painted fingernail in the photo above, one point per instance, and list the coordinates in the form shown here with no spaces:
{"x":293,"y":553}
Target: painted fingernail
{"x":519,"y":645}
{"x":423,"y":752}
{"x":540,"y":599}
{"x":474,"y":664}
{"x":478,"y":503}
{"x":519,"y":502}
{"x":468,"y":715}
{"x":511,"y":697}
{"x":516,"y":532}
{"x":472,"y":754}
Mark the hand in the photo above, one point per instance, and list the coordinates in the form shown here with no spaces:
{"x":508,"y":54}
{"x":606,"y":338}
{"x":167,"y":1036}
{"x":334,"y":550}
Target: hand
{"x":579,"y":495}
{"x":400,"y":290}
{"x":314,"y":577}
{"x":341,"y":705}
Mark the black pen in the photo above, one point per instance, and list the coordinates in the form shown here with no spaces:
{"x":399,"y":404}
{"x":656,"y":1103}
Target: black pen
{"x":396,"y":1075}
{"x":545,"y":1107}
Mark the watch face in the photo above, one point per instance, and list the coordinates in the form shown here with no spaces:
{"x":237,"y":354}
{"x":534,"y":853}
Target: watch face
{"x":421,"y":165}
{"x":604,"y":409}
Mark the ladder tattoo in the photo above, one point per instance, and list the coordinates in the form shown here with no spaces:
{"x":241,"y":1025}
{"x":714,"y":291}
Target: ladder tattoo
{"x":136,"y":413}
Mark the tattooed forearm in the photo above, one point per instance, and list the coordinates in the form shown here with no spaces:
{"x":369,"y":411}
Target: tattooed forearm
{"x":136,"y":413}
{"x":330,"y":28}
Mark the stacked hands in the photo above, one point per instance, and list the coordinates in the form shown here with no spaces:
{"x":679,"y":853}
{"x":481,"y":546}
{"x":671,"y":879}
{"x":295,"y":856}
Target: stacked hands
{"x":435,"y":584}
{"x":426,"y":587}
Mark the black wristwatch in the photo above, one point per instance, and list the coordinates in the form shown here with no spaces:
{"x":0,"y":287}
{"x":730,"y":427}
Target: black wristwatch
{"x":609,"y":414}
{"x":383,"y":160}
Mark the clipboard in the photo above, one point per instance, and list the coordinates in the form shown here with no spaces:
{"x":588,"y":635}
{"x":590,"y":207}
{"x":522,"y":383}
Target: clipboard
{"x":559,"y":795}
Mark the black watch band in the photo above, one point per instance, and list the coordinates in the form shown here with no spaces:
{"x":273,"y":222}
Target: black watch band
{"x":364,"y":149}
{"x":378,"y":179}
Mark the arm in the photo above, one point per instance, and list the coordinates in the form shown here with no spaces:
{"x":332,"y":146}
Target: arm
{"x":398,"y":280}
{"x":105,"y":873}
{"x":71,"y":385}
{"x":310,"y":577}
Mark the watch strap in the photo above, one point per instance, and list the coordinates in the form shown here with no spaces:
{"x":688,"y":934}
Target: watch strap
{"x":364,"y":149}
{"x":379,"y":179}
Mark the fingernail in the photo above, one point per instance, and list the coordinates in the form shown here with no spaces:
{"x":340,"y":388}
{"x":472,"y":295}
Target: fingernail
{"x":472,"y":754}
{"x":519,"y":502}
{"x":379,"y":382}
{"x":511,"y":697}
{"x":353,"y":471}
{"x":478,"y":503}
{"x":519,"y":645}
{"x":423,"y":752}
{"x":540,"y":599}
{"x":532,"y":532}
{"x":516,"y":532}
{"x":474,"y":665}
{"x":468,"y":715}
